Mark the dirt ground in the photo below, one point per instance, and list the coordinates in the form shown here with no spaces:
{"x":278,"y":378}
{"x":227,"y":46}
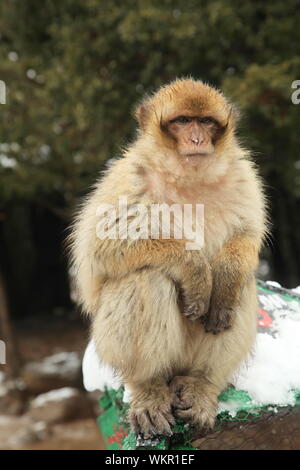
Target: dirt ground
{"x":75,"y":435}
{"x":42,"y":336}
{"x":37,"y":338}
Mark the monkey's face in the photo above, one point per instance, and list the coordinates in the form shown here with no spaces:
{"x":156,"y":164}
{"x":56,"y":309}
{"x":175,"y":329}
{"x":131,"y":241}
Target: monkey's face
{"x":195,"y":136}
{"x":188,"y":117}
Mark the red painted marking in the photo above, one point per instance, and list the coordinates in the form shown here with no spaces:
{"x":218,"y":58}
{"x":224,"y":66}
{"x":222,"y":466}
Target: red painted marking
{"x":264,"y":320}
{"x":118,"y":437}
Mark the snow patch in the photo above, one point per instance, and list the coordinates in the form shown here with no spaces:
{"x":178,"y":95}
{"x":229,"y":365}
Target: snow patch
{"x":65,"y":364}
{"x":96,"y":374}
{"x":54,"y":395}
{"x":231,"y":406}
{"x":273,"y":283}
{"x":273,"y":372}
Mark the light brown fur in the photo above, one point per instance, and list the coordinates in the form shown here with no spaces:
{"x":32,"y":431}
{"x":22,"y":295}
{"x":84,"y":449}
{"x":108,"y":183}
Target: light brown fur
{"x":132,"y":289}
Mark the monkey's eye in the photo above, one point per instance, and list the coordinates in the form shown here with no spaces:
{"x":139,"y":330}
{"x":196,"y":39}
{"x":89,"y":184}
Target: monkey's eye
{"x":182,"y":119}
{"x":206,"y":120}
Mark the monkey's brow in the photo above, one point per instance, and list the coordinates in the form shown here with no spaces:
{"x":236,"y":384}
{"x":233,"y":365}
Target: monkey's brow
{"x":183,"y":116}
{"x":193,"y":118}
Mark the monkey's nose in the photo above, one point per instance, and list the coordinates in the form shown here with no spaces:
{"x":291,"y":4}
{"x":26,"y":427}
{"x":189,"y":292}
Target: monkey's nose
{"x":195,"y":140}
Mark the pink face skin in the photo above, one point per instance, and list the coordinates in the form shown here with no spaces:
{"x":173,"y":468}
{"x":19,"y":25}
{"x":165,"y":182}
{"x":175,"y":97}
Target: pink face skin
{"x":195,"y":135}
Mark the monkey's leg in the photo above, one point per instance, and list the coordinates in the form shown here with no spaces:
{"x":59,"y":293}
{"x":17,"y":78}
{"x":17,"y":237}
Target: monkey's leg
{"x":138,"y":331}
{"x":216,"y":358}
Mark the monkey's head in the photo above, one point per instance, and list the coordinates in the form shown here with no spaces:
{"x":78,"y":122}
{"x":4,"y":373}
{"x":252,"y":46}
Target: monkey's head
{"x":189,"y":117}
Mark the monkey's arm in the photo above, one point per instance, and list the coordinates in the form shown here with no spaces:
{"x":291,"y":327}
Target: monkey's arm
{"x":231,"y":269}
{"x":189,"y":269}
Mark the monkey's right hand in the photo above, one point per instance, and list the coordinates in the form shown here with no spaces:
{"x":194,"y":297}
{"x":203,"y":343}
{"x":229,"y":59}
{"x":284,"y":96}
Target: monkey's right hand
{"x":195,"y":282}
{"x":194,"y":308}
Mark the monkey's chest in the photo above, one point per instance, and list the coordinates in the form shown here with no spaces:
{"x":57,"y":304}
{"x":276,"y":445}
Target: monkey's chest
{"x":221,"y":218}
{"x":221,"y":221}
{"x":216,"y":212}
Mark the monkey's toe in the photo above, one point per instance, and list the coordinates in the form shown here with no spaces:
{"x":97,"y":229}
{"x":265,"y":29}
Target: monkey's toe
{"x":190,"y":404}
{"x":150,"y":422}
{"x":182,"y":397}
{"x":198,"y":417}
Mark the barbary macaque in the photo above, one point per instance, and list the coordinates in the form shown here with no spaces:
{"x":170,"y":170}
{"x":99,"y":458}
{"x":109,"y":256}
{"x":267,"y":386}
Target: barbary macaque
{"x":175,"y":323}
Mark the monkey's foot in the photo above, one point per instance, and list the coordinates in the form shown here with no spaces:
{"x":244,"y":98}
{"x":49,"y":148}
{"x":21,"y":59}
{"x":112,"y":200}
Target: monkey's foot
{"x":192,"y":403}
{"x":151,"y":415}
{"x":218,"y":320}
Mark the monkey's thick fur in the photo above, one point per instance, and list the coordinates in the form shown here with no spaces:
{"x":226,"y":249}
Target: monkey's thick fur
{"x":131,"y":289}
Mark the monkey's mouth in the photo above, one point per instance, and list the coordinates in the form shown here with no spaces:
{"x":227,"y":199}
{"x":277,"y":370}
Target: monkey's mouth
{"x":198,"y":154}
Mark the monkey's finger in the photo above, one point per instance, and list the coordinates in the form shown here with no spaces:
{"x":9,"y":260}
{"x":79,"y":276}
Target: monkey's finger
{"x":216,"y":329}
{"x":213,"y":330}
{"x":192,"y":317}
{"x":203,"y":319}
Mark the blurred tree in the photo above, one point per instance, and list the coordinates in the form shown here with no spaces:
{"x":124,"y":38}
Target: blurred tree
{"x":73,"y":71}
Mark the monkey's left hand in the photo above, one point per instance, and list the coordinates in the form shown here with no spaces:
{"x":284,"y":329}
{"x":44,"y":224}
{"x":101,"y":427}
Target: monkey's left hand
{"x":223,"y":302}
{"x":232,"y":267}
{"x":218,"y":319}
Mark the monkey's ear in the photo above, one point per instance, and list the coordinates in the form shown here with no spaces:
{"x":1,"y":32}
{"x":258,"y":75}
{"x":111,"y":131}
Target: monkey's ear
{"x":141,"y":115}
{"x":234,"y":116}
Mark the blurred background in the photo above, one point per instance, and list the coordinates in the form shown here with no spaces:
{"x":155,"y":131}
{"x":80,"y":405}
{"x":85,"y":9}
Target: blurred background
{"x":73,"y":71}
